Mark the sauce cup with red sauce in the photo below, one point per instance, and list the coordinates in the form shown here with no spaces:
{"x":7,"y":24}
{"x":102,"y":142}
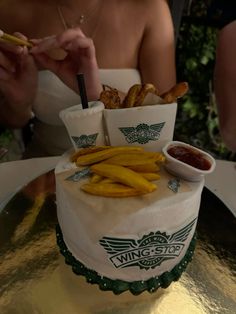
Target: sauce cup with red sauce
{"x":186,"y":161}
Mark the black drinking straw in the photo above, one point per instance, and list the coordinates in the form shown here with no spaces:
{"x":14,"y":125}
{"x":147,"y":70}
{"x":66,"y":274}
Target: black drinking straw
{"x":82,"y":90}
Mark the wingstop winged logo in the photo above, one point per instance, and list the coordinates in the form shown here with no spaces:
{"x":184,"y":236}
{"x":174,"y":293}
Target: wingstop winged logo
{"x":148,"y":252}
{"x":85,"y":140}
{"x":143,"y":133}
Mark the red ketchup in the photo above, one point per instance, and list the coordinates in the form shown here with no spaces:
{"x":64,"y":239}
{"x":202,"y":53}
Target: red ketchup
{"x":190,"y":157}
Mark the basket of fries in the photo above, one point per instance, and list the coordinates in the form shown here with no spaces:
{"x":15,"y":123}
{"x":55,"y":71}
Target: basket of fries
{"x":143,"y":117}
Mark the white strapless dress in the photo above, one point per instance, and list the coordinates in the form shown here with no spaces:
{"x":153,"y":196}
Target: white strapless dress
{"x":50,"y":135}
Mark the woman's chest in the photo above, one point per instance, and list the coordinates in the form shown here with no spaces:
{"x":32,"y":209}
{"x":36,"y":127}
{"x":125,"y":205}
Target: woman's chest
{"x":117,"y":36}
{"x":118,"y":43}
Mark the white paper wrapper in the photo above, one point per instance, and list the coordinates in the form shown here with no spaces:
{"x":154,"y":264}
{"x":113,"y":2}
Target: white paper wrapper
{"x":150,"y":126}
{"x":85,"y":126}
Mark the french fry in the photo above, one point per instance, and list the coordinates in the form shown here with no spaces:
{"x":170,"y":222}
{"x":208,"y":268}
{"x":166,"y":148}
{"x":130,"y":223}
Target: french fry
{"x":119,"y":170}
{"x":157,"y":156}
{"x":123,"y":175}
{"x":92,"y":158}
{"x":150,"y":176}
{"x":110,"y":190}
{"x":111,"y":99}
{"x":95,"y":178}
{"x":14,"y":40}
{"x":177,"y":91}
{"x":146,"y":88}
{"x":148,"y":167}
{"x":131,"y":96}
{"x":87,"y":150}
{"x":131,"y":159}
{"x":107,"y":180}
{"x":135,"y":97}
{"x":147,"y":175}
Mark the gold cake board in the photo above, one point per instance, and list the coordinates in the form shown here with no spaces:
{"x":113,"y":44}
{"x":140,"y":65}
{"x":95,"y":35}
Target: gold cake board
{"x":35,"y":279}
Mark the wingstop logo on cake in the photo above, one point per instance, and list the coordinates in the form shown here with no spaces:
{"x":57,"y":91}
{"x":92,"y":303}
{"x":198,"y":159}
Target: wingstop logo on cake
{"x":148,"y":252}
{"x":148,"y":256}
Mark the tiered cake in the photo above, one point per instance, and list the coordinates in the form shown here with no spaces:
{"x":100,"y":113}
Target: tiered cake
{"x":132,"y":243}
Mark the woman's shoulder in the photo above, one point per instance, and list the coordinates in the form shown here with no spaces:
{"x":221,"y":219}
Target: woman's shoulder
{"x":147,"y":11}
{"x":145,"y":6}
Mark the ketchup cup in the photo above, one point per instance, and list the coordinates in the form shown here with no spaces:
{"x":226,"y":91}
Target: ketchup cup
{"x":186,"y":161}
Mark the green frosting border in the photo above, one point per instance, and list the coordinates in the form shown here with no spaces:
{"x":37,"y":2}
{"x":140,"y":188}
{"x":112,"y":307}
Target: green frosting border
{"x":119,"y":286}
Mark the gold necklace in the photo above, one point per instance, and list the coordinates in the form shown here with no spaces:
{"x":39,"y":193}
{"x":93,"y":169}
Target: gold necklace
{"x":83,"y":18}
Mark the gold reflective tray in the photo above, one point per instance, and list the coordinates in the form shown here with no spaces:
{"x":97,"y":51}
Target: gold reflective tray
{"x":35,"y":279}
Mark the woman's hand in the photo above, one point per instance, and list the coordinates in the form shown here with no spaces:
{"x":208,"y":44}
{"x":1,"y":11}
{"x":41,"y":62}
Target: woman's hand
{"x":18,"y":83}
{"x":80,"y":58}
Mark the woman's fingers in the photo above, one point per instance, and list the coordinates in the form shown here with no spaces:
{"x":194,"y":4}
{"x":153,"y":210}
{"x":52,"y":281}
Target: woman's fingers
{"x":44,"y":44}
{"x":70,"y":34}
{"x":81,"y":43}
{"x":21,"y":36}
{"x":6,"y":63}
{"x":45,"y":62}
{"x":59,"y":41}
{"x":71,"y":47}
{"x":4,"y":75}
{"x":9,"y":47}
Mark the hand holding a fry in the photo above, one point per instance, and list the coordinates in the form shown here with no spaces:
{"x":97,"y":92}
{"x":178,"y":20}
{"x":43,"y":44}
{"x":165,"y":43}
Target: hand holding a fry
{"x":80,"y":57}
{"x":18,"y":83}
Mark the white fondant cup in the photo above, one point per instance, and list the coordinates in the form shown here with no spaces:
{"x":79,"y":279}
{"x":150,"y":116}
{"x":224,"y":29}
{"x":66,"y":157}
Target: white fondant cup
{"x":150,"y":126}
{"x":184,"y":170}
{"x":85,"y":126}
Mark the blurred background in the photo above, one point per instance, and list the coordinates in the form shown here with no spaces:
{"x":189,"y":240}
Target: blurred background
{"x":197,"y":119}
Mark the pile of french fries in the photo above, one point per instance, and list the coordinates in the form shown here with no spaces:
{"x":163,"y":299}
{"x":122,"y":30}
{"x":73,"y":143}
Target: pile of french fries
{"x":119,"y":171}
{"x":135,"y":97}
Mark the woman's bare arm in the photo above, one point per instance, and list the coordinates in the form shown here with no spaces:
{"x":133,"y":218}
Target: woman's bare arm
{"x":157,"y":52}
{"x":225,"y":84}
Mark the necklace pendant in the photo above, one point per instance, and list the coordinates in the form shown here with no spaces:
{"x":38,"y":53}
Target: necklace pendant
{"x":81,"y":19}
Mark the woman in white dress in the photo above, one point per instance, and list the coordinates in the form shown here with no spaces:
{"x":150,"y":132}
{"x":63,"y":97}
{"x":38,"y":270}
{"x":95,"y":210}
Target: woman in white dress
{"x":115,"y":42}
